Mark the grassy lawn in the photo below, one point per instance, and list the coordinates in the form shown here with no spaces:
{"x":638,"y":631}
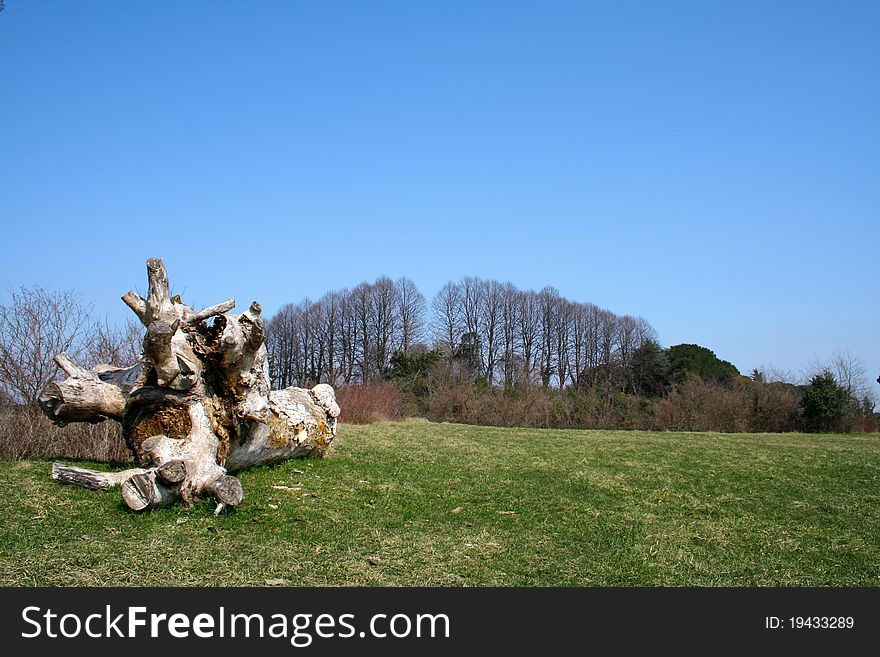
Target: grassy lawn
{"x":452,"y":505}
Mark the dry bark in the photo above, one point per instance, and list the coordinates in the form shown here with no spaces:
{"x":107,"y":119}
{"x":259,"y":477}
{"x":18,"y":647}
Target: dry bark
{"x":197,"y":407}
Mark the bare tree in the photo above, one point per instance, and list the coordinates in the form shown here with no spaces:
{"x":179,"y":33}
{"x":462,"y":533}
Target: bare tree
{"x":626,"y":341}
{"x":348,"y":336}
{"x":771,"y":374}
{"x":114,"y":345}
{"x":282,"y":346}
{"x":645,"y":332}
{"x":313,"y":344}
{"x":362,"y":301}
{"x":529,"y":327}
{"x":471,"y":294}
{"x":607,"y":334}
{"x":563,"y":329}
{"x":36,"y":325}
{"x":483,"y":328}
{"x":579,"y":343}
{"x":509,"y":323}
{"x":410,"y":311}
{"x":385,"y":326}
{"x":331,"y":304}
{"x":490,"y":302}
{"x":448,"y":324}
{"x":548,"y":304}
{"x":593,"y":354}
{"x":852,"y":375}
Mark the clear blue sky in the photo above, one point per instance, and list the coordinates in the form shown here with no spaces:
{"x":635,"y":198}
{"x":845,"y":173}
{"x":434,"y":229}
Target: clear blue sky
{"x":711,"y":166}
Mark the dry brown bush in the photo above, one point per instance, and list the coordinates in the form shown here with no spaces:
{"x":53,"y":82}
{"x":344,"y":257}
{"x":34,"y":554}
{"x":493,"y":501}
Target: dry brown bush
{"x":455,"y":403}
{"x":524,"y":406}
{"x":25,"y":433}
{"x":374,"y":402}
{"x":531,"y":406}
{"x":699,"y":406}
{"x":777,"y":407}
{"x":867,"y":423}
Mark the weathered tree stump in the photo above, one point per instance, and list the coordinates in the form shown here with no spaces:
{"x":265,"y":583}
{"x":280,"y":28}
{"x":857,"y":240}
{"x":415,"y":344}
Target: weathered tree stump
{"x":196,"y":407}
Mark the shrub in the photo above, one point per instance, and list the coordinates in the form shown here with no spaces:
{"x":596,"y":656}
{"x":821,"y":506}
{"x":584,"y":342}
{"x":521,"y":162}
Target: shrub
{"x":25,"y":433}
{"x":699,"y":406}
{"x":452,"y":403}
{"x":776,"y":407}
{"x":827,"y":405}
{"x":374,"y":402}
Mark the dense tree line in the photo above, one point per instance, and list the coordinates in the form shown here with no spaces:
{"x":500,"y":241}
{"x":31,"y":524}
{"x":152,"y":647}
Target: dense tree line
{"x":483,"y":330}
{"x":348,"y":336}
{"x":496,"y":333}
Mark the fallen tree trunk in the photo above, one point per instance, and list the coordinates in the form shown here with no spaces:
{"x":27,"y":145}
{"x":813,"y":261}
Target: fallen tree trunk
{"x":197,"y":407}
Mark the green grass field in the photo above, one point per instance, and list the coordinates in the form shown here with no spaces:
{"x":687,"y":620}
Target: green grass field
{"x":451,"y":505}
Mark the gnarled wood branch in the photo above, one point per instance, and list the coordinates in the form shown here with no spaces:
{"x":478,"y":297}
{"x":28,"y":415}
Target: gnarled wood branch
{"x":211,"y":311}
{"x":137,"y":303}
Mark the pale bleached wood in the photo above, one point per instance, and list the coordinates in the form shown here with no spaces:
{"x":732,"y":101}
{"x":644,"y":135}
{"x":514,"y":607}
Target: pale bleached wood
{"x":325,"y":397}
{"x":157,"y":350}
{"x":198,"y":407}
{"x":137,"y":303}
{"x":71,"y":368}
{"x":144,"y":491}
{"x":297,"y":427}
{"x":197,"y":453}
{"x":211,"y":311}
{"x":86,"y":395}
{"x":68,"y":474}
{"x":159,"y":305}
{"x":171,"y":472}
{"x":124,"y":378}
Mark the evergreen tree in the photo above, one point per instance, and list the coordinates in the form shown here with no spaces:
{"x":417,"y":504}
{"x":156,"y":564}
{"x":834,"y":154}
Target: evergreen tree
{"x":827,"y":406}
{"x":687,"y":359}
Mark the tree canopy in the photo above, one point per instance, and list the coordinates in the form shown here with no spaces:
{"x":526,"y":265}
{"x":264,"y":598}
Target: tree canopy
{"x":687,"y":359}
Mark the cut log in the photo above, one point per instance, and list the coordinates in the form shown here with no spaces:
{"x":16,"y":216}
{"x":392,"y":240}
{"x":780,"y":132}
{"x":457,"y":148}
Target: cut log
{"x":197,"y":407}
{"x":95,"y":479}
{"x":144,"y":491}
{"x":227,"y":490}
{"x":87,"y":395}
{"x":171,"y":472}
